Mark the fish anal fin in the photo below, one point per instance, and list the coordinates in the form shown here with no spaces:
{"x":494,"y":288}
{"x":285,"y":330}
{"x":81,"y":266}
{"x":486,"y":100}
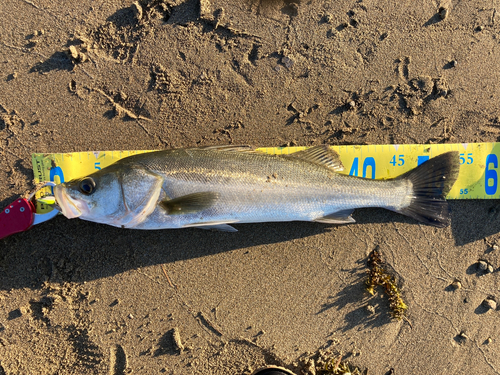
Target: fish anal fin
{"x":213,"y":225}
{"x":320,"y":155}
{"x":189,"y":203}
{"x":339,"y":217}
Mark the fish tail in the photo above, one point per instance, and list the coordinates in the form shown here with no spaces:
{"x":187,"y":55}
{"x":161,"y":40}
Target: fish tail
{"x":431,"y":182}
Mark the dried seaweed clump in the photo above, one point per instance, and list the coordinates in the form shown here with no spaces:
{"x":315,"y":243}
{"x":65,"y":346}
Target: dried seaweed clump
{"x":378,"y":275}
{"x":338,"y":367}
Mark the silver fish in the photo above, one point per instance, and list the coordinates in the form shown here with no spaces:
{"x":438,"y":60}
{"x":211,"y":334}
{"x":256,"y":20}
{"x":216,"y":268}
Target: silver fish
{"x":213,"y":187}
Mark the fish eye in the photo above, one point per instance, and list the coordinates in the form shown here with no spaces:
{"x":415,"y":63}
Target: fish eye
{"x":87,"y":186}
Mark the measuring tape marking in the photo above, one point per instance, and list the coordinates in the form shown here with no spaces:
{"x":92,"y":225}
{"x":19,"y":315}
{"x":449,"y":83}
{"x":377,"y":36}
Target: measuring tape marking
{"x":478,"y":178}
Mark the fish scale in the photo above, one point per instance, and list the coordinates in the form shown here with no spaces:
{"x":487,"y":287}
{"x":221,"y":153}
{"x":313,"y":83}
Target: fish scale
{"x":244,"y":172}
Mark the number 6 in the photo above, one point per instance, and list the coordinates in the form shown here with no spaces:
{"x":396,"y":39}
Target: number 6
{"x":491,"y":174}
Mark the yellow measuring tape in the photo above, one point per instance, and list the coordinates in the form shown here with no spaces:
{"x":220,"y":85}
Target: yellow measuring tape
{"x":478,"y":179}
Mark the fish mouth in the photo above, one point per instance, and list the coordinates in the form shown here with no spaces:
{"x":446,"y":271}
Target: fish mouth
{"x":69,"y":207}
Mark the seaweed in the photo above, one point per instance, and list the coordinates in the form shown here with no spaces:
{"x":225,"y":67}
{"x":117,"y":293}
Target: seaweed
{"x":338,"y":367}
{"x":378,"y":275}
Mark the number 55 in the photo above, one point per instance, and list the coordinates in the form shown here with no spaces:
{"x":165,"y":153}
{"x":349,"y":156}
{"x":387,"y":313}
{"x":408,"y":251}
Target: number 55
{"x":470,"y":160}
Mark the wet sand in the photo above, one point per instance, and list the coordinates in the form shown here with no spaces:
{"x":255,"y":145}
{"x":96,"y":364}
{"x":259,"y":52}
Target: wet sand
{"x":83,"y":298}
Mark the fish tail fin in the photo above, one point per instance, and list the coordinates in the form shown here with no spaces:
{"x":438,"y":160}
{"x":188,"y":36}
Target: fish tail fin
{"x":432,"y":181}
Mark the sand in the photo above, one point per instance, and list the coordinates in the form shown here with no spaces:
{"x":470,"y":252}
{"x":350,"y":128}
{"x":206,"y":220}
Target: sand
{"x":83,"y":298}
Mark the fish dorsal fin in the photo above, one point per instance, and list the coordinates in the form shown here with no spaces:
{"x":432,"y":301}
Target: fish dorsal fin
{"x":189,"y":203}
{"x":339,"y":217}
{"x":320,"y":155}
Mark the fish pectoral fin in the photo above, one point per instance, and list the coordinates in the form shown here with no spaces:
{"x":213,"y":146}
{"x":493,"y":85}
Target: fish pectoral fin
{"x":189,"y":203}
{"x":339,"y":217}
{"x":320,"y":155}
{"x":213,"y":225}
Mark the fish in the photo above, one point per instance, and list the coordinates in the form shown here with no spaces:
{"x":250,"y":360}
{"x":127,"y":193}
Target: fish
{"x":218,"y":186}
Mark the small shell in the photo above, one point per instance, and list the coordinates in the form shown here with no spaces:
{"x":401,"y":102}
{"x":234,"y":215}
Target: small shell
{"x":176,"y":336}
{"x":73,"y":52}
{"x":490,"y":304}
{"x":456,"y":284}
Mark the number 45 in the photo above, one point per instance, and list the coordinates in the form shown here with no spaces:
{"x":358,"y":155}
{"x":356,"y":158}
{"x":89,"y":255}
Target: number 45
{"x":399,"y":162}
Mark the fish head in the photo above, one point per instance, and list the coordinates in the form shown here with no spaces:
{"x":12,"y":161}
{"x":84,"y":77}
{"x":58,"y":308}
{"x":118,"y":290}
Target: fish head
{"x":119,"y":195}
{"x":97,"y":197}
